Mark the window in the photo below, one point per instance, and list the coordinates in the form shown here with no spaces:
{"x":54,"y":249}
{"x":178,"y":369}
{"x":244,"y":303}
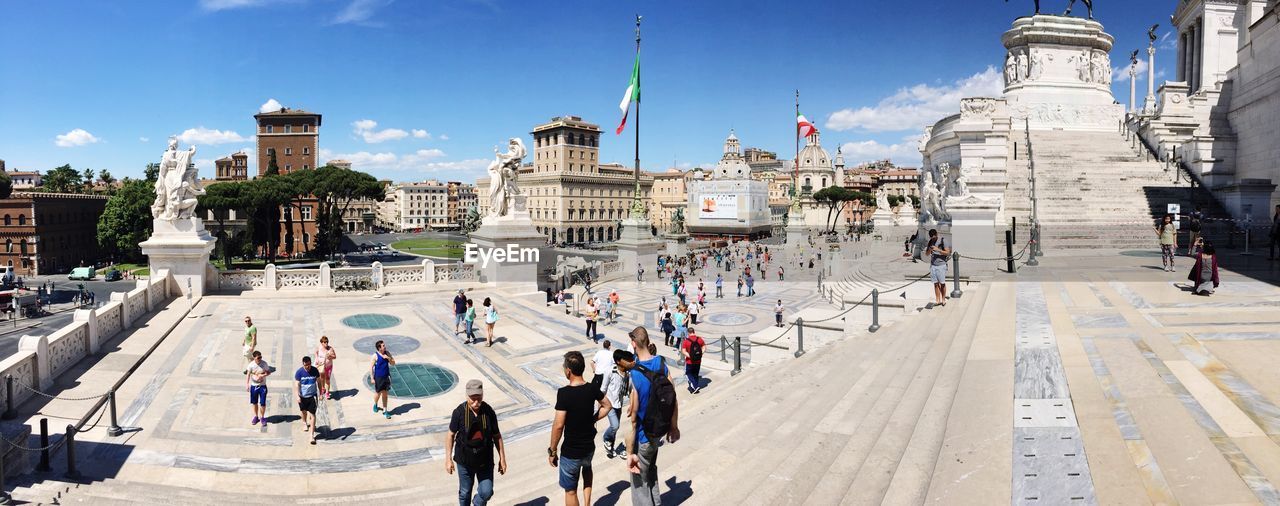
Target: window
{"x":271,"y":151}
{"x":8,"y":245}
{"x":22,"y":246}
{"x":306,"y":151}
{"x":22,"y":219}
{"x":305,"y":167}
{"x":288,"y":151}
{"x":7,"y":220}
{"x":306,"y":128}
{"x":270,"y":128}
{"x":288,"y":168}
{"x":288,"y":213}
{"x":288,"y":129}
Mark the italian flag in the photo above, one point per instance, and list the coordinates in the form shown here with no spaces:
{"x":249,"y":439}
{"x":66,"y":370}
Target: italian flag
{"x":803,"y":126}
{"x":632,"y":94}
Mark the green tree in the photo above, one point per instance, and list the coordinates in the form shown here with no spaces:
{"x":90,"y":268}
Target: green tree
{"x":63,"y":179}
{"x":126,"y":220}
{"x":263,"y":199}
{"x":836,"y":198}
{"x":88,"y":176}
{"x":152,"y":172}
{"x":6,"y":185}
{"x":221,"y":199}
{"x":105,"y":176}
{"x":335,"y":189}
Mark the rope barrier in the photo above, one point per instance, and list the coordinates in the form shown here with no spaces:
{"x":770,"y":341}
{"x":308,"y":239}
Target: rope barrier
{"x":48,"y":396}
{"x":51,"y":446}
{"x":1004,"y":258}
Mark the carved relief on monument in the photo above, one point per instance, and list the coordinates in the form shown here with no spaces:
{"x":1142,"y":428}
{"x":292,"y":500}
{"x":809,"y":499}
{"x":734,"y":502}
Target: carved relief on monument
{"x":978,"y":108}
{"x":1069,"y":115}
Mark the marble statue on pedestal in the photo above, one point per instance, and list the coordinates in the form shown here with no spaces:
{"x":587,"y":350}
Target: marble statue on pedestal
{"x":1087,"y":3}
{"x":176,"y":186}
{"x":882,"y":199}
{"x":930,"y":200}
{"x":503,"y":172}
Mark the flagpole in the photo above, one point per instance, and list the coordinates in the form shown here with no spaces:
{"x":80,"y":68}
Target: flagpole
{"x":637,"y":209}
{"x":795,"y":162}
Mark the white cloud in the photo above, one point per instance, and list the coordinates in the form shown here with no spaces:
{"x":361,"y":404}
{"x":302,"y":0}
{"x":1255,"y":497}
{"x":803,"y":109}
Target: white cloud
{"x":202,"y":135}
{"x":364,"y":160}
{"x":906,"y":152}
{"x":1167,"y":41}
{"x":144,"y":139}
{"x":77,"y":137}
{"x":914,"y":107}
{"x":218,"y":5}
{"x":444,"y":137}
{"x":367,"y":130}
{"x":359,"y":11}
{"x":204,"y":165}
{"x":421,"y":134}
{"x":271,"y":105}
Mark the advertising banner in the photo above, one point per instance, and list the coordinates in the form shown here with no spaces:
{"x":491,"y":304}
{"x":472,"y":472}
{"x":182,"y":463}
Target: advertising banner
{"x":719,"y":206}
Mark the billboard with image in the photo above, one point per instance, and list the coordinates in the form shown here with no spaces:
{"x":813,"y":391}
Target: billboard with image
{"x":718,"y":206}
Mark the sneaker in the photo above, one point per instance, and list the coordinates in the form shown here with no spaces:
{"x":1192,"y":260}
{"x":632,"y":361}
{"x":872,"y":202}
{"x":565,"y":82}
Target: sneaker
{"x":375,"y":408}
{"x":697,"y":390}
{"x":255,"y":420}
{"x":608,"y":453}
{"x":313,"y":440}
{"x":264,"y":421}
{"x":387,"y":413}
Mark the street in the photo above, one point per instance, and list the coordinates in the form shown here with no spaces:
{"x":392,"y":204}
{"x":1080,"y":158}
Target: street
{"x":59,"y":312}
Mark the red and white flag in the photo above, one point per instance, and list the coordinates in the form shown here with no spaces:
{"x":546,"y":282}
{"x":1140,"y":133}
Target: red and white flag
{"x":803,"y":126}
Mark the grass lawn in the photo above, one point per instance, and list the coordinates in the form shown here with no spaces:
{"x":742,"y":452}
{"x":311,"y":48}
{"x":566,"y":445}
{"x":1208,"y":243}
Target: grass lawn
{"x":136,"y":269}
{"x":430,"y":247}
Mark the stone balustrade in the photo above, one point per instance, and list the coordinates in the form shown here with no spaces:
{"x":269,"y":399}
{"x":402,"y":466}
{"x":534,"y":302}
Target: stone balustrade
{"x":40,"y":359}
{"x":376,"y":276}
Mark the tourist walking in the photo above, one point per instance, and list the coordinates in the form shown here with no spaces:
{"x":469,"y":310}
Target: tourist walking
{"x":470,"y":319}
{"x":613,"y":306}
{"x":1194,"y":226}
{"x":692,"y":350}
{"x":601,"y":363}
{"x":1168,"y":235}
{"x":325,"y":356}
{"x":740,"y":283}
{"x":694,"y":309}
{"x":654,"y":414}
{"x":473,"y":434}
{"x":777,"y":314}
{"x":780,"y":273}
{"x":574,"y":430}
{"x":751,"y":285}
{"x":256,"y":383}
{"x":459,"y":312}
{"x":250,"y":340}
{"x":590,"y":314}
{"x":719,"y":285}
{"x":639,"y":272}
{"x":614,"y":388}
{"x":490,"y":318}
{"x":1204,"y":274}
{"x":667,"y":327}
{"x":380,"y":372}
{"x":938,"y":256}
{"x":304,"y":383}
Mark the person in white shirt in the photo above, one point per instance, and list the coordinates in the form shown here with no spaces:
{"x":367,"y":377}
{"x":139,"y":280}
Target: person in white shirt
{"x":601,"y":364}
{"x":614,"y":386}
{"x":694,"y":309}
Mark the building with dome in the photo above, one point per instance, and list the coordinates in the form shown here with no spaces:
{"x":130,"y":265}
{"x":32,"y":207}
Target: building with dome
{"x":730,"y":203}
{"x":815,"y":172}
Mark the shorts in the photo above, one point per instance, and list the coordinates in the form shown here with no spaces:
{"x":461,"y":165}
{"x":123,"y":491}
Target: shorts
{"x":381,"y":384}
{"x":938,"y":273}
{"x":308,"y":404}
{"x":258,"y":395}
{"x":571,"y":469}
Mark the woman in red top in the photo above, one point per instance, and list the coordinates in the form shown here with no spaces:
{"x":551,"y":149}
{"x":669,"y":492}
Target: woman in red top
{"x":1204,"y":275}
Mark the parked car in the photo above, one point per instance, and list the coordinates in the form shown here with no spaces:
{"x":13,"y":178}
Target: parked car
{"x":113,"y":275}
{"x":85,"y":273}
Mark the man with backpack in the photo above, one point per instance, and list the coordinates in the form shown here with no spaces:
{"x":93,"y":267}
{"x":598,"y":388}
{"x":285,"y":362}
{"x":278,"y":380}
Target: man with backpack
{"x":939,"y":254}
{"x":473,"y":433}
{"x":692,"y":352}
{"x":654,"y":413}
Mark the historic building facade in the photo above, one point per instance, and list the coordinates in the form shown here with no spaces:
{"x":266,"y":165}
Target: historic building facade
{"x":730,"y":203}
{"x":293,"y":135}
{"x":571,"y":196}
{"x":233,"y":167}
{"x":49,"y":233}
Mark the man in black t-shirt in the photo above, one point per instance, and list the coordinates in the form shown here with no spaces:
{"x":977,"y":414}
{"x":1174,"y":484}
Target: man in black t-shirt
{"x":576,"y":417}
{"x":473,"y":433}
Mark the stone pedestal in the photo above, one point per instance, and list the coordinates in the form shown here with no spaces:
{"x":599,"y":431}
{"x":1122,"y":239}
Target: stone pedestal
{"x":181,"y":247}
{"x":973,"y":226}
{"x":677,"y":244}
{"x":797,"y":234}
{"x":882,"y":220}
{"x":637,"y":246}
{"x":514,"y":247}
{"x":1058,"y":74}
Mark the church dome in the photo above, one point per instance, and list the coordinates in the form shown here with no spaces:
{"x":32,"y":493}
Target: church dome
{"x":813,"y":157}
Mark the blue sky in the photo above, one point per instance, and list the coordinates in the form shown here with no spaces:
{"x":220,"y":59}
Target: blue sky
{"x":412,"y":90}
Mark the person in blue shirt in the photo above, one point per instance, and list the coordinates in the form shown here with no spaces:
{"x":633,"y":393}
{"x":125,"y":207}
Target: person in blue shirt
{"x":719,"y":286}
{"x":642,"y":454}
{"x":304,"y":382}
{"x":380,"y":372}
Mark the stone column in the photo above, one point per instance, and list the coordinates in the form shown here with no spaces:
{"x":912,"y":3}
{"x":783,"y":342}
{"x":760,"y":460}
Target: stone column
{"x":1197,"y":55}
{"x":1149,"y":105}
{"x":1133,"y":87}
{"x":1182,"y":57}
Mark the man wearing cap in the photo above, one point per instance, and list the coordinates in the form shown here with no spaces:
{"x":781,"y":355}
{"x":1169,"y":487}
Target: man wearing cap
{"x":459,"y":312}
{"x":473,"y":433}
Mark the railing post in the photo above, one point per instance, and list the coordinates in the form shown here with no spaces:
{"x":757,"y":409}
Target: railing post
{"x":724,"y":343}
{"x":44,"y":447}
{"x":737,"y":356}
{"x":875,"y":310}
{"x":1033,"y":250}
{"x":1008,"y":252}
{"x":72,"y":473}
{"x":9,"y":412}
{"x":114,"y":430}
{"x":4,"y":495}
{"x":1015,"y":230}
{"x":955,"y":277}
{"x":799,"y":337}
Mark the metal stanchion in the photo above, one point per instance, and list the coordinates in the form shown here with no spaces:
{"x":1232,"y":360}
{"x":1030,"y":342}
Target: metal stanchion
{"x":799,"y":337}
{"x":955,"y":277}
{"x":114,"y":430}
{"x":875,"y":310}
{"x":724,"y":343}
{"x":1008,"y":252}
{"x":1015,"y":230}
{"x":72,"y":473}
{"x":44,"y":446}
{"x":1033,"y":251}
{"x":737,"y":356}
{"x":9,"y":412}
{"x":4,"y":495}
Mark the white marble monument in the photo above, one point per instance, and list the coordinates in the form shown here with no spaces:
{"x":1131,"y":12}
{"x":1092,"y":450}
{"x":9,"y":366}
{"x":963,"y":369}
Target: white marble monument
{"x":179,"y":242}
{"x":508,"y":227}
{"x":1058,"y":73}
{"x":883,"y":218}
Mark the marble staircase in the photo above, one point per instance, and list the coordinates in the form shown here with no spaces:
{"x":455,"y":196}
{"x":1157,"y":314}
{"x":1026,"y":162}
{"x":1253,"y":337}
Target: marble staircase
{"x":1095,"y":191}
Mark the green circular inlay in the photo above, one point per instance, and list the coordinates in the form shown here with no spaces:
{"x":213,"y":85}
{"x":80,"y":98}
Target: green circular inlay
{"x":417,"y":380}
{"x":370,"y":321}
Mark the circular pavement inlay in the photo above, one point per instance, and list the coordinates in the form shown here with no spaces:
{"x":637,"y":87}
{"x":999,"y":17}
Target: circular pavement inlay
{"x":416,"y":380}
{"x":729,"y":319}
{"x":397,"y":345}
{"x":370,"y":321}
